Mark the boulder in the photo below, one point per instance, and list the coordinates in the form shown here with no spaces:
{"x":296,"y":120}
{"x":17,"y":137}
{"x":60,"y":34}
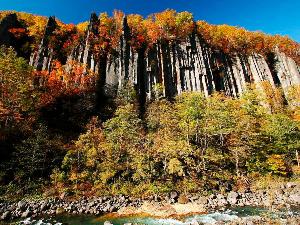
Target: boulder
{"x":194,"y":222}
{"x":5,"y":215}
{"x":26,"y":214}
{"x":113,"y":209}
{"x":44,"y":206}
{"x":295,"y":198}
{"x":174,"y":195}
{"x":202,"y":200}
{"x":232,"y":197}
{"x":63,"y":195}
{"x":291,"y":185}
{"x":21,"y":205}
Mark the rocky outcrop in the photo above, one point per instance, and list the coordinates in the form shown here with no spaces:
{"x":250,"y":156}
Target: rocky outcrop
{"x":178,"y":66}
{"x":83,"y":53}
{"x":288,"y":72}
{"x":41,"y":59}
{"x":191,"y":65}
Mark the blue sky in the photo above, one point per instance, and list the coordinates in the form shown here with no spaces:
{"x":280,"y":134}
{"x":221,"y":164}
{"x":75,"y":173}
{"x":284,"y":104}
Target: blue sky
{"x":271,"y":16}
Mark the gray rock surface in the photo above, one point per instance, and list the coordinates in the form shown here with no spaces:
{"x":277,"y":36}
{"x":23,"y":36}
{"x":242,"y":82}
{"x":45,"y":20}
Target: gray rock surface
{"x":41,"y":59}
{"x":178,"y":66}
{"x":5,"y":215}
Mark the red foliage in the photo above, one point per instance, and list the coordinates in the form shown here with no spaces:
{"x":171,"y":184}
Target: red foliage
{"x":61,"y":82}
{"x":18,"y":32}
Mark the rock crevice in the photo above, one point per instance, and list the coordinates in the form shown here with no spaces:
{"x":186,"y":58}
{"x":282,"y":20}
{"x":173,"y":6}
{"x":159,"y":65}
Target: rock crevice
{"x":177,"y":66}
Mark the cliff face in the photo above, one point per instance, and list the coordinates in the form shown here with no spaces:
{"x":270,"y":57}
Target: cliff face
{"x":193,"y":66}
{"x":42,"y":58}
{"x":178,"y":66}
{"x":82,"y":53}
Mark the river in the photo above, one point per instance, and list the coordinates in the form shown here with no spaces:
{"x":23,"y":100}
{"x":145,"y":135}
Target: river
{"x":209,"y":218}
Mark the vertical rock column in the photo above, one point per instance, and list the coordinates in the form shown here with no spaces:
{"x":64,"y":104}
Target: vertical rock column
{"x":288,"y":71}
{"x":152,"y":77}
{"x":260,"y":69}
{"x":82,"y":53}
{"x":42,"y":58}
{"x":124,"y":56}
{"x":87,"y":55}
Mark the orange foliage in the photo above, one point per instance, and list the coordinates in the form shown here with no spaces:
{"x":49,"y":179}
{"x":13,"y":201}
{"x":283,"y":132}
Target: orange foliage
{"x":18,"y":32}
{"x":273,"y":97}
{"x":109,"y":32}
{"x":62,"y":81}
{"x":82,"y":27}
{"x":138,"y":30}
{"x":64,"y":38}
{"x":234,"y":39}
{"x":167,"y":25}
{"x":154,"y":33}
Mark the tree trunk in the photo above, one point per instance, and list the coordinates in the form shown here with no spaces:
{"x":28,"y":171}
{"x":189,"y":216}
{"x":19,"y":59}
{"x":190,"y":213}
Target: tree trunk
{"x":237,"y":164}
{"x":297,"y":158}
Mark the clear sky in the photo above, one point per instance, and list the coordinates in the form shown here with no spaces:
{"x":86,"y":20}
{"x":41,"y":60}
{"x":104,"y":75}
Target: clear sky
{"x":270,"y":16}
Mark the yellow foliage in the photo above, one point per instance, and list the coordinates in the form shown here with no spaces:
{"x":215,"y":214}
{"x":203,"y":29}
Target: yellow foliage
{"x":175,"y":167}
{"x":277,"y":164}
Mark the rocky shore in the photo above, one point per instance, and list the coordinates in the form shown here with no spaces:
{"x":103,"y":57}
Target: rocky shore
{"x":172,"y":204}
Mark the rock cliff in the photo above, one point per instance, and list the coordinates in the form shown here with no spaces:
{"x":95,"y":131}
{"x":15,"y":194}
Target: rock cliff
{"x":42,"y":58}
{"x":178,"y":66}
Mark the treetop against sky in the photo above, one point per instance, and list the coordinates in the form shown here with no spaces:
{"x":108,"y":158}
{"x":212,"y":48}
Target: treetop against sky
{"x":270,"y":16}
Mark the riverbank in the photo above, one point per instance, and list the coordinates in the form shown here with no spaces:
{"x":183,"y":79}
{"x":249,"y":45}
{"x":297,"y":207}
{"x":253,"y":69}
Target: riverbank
{"x":170,"y":205}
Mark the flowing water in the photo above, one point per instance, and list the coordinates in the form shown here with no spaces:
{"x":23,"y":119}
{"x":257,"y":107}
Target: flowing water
{"x":210,"y":218}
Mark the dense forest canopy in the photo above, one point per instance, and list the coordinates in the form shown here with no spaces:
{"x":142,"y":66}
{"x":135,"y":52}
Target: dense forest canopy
{"x":52,"y":135}
{"x":167,"y":25}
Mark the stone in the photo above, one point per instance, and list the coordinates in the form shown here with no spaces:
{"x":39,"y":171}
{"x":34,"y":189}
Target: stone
{"x":5,"y":215}
{"x":21,"y":205}
{"x":44,"y":206}
{"x":190,"y":65}
{"x":295,"y":198}
{"x":63,"y":195}
{"x":291,"y":185}
{"x":222,"y":202}
{"x":26,"y":214}
{"x":173,"y":195}
{"x":194,"y":222}
{"x":220,"y":196}
{"x":42,"y":58}
{"x":202,"y":200}
{"x":232,"y":197}
{"x":112,"y":208}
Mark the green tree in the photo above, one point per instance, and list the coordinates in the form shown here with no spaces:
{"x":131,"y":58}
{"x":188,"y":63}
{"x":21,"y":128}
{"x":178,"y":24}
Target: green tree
{"x":37,"y":155}
{"x":282,"y":136}
{"x":124,"y":133}
{"x":83,"y":162}
{"x":17,"y":95}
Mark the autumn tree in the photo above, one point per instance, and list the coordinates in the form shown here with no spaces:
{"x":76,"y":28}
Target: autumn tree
{"x":36,"y":156}
{"x":281,"y":135}
{"x":17,"y":96}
